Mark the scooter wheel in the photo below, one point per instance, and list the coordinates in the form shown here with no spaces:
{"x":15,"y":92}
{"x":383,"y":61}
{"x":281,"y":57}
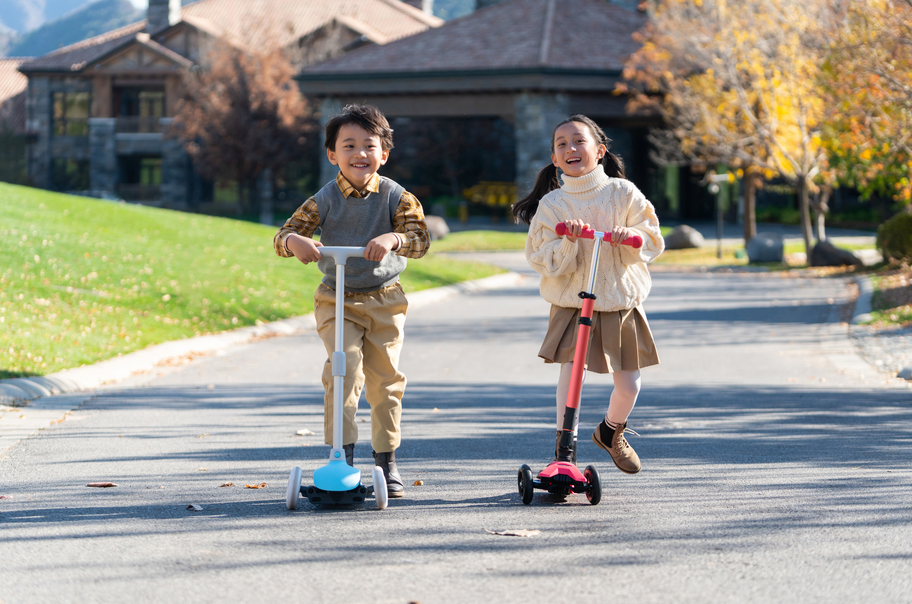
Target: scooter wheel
{"x":380,"y":492}
{"x":294,"y":488}
{"x":524,"y":480}
{"x":594,"y":493}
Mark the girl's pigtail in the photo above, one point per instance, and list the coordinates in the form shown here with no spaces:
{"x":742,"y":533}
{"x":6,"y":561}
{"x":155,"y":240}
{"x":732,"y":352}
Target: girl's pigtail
{"x":614,"y":165}
{"x":545,"y":182}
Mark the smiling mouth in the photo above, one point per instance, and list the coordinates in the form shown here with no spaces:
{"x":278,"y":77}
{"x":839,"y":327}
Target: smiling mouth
{"x":360,"y":165}
{"x":574,"y":160}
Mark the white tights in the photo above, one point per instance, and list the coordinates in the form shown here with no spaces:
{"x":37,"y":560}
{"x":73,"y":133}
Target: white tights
{"x":623,"y":397}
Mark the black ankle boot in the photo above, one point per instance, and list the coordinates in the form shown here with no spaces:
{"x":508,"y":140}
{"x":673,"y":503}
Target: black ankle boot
{"x":387,"y":462}
{"x":349,"y":454}
{"x":557,"y":456}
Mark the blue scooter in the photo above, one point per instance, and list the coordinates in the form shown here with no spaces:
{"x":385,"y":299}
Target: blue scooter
{"x":337,"y":482}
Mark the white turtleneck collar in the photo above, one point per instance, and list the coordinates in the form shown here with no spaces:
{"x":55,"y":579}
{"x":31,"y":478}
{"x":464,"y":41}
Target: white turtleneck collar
{"x":588,"y":183}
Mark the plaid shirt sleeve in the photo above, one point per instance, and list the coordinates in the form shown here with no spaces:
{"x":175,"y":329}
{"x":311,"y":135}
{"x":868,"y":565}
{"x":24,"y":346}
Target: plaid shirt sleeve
{"x":409,"y":223}
{"x":304,"y":222}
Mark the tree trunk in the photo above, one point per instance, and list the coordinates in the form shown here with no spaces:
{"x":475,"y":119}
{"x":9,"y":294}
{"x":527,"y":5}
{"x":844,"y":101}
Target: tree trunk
{"x":750,"y":205}
{"x":805,"y":207}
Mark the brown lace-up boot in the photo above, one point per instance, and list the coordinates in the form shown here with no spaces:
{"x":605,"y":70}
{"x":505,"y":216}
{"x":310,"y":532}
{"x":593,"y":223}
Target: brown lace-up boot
{"x":613,"y":441}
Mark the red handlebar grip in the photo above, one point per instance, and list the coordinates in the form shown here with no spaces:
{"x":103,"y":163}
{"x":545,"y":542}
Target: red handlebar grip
{"x":636,"y":241}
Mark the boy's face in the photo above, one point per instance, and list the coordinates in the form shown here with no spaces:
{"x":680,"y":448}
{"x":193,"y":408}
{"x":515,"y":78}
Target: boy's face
{"x":358,"y":154}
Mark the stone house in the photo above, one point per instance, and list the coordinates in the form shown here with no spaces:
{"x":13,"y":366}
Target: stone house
{"x":97,"y":111}
{"x":13,"y":141}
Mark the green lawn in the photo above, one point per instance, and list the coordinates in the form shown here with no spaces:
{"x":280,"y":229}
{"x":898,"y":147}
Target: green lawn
{"x":83,"y":280}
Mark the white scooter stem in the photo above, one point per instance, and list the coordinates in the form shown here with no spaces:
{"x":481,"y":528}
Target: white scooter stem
{"x":340,"y":255}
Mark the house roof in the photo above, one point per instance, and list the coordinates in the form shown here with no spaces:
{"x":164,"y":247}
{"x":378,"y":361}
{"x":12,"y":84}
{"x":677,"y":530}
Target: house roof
{"x":13,"y":86}
{"x":569,"y":35}
{"x":253,"y":23}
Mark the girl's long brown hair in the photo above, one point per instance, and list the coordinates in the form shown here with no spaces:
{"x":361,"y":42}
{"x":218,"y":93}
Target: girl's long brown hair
{"x":547,"y":181}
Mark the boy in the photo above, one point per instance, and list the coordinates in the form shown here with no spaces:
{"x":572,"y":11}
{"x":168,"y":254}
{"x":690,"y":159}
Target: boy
{"x":362,"y":208}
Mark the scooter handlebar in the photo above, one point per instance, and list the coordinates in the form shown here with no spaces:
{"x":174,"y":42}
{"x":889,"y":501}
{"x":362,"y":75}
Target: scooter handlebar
{"x":636,"y":241}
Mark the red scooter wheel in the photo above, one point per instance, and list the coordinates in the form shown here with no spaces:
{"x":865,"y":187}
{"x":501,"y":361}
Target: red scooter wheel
{"x":594,"y":492}
{"x":524,"y":480}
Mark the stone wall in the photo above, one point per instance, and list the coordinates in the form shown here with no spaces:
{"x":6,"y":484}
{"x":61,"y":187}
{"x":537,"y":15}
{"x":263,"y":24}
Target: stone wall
{"x":536,"y":115}
{"x":103,"y":159}
{"x":175,"y":170}
{"x":47,"y":146}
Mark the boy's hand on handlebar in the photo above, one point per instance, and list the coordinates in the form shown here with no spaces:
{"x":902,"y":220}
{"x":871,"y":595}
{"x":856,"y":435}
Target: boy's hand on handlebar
{"x":619,"y":234}
{"x":378,"y":247}
{"x":575,"y":228}
{"x":303,"y":248}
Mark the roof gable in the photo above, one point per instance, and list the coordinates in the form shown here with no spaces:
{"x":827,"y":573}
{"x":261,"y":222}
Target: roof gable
{"x":13,"y":87}
{"x":140,"y":53}
{"x":513,"y":35}
{"x":250,"y":23}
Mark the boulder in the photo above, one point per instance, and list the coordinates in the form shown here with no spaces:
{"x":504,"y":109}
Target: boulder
{"x":683,"y":237}
{"x":765,"y":247}
{"x":827,"y":254}
{"x":437,"y":227}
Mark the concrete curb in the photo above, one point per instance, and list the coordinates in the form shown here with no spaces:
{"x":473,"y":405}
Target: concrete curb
{"x":21,"y":391}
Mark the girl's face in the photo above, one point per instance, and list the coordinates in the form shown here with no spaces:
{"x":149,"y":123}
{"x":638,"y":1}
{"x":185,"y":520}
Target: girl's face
{"x":575,"y":150}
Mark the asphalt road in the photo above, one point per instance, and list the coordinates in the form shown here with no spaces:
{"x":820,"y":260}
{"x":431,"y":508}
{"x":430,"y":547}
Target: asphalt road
{"x":776,"y":469}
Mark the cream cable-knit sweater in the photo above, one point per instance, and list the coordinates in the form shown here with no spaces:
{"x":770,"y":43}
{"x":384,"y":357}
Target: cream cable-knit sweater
{"x":623,"y":280}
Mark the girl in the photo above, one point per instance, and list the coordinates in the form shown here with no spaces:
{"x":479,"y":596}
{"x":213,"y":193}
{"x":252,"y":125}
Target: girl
{"x":594,"y":192}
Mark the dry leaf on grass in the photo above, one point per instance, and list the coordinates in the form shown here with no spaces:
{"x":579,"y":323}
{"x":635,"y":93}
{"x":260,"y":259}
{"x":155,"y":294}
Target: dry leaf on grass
{"x":101,"y":485}
{"x":515,"y":533}
{"x":418,"y":483}
{"x":227,"y":484}
{"x":262,"y":485}
{"x":194,"y":507}
{"x":305,"y":432}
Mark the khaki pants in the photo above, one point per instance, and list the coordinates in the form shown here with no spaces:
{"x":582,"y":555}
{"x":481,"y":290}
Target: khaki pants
{"x":372,"y":341}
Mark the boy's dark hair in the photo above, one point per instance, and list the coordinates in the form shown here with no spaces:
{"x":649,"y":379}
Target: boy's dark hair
{"x":368,"y":117}
{"x":547,"y":181}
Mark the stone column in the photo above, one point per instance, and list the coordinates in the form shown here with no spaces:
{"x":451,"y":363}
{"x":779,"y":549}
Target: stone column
{"x":40,"y":110}
{"x":102,"y":154}
{"x":264,"y":192}
{"x":536,"y":115}
{"x":175,"y":169}
{"x":328,"y":108}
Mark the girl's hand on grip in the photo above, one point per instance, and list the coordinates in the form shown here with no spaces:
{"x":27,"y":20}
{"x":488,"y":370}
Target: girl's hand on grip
{"x":575,"y":228}
{"x":619,"y":234}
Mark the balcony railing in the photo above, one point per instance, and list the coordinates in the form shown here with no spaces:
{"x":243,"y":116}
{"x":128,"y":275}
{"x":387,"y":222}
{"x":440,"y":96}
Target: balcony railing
{"x":134,"y":124}
{"x":134,"y":192}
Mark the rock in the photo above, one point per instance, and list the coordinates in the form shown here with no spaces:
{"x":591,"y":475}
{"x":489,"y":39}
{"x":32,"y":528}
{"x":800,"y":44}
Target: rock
{"x":437,"y":226}
{"x":905,"y":373}
{"x":827,"y":254}
{"x":683,"y":237}
{"x":765,"y":247}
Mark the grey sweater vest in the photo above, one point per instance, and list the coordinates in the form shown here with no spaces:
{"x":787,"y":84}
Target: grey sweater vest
{"x":354,"y":222}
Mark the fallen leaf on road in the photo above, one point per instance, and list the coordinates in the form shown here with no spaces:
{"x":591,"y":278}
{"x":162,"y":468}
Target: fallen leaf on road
{"x":418,"y":483}
{"x":10,"y":496}
{"x":194,"y":507}
{"x":102,"y":485}
{"x":262,"y":485}
{"x":304,"y":432}
{"x":202,"y":436}
{"x":202,"y":469}
{"x":227,"y":484}
{"x":515,"y":533}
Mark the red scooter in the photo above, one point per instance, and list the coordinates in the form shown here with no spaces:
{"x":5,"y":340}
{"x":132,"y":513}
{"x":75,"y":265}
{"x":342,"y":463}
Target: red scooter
{"x":561,"y":477}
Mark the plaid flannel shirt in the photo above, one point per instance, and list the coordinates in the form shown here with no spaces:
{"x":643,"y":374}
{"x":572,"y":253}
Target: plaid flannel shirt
{"x":408,"y":220}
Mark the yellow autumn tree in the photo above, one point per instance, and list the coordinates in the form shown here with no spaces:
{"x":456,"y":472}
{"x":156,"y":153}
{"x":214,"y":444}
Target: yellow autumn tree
{"x":739,"y":84}
{"x":868,"y":81}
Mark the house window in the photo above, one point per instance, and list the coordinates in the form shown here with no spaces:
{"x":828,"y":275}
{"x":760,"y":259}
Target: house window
{"x":71,"y":113}
{"x":70,"y":174}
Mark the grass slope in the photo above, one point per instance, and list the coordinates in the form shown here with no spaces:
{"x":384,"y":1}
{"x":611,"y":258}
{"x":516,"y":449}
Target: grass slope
{"x":83,"y":280}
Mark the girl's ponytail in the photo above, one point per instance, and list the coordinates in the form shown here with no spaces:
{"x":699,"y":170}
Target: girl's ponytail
{"x":545,"y":182}
{"x":614,"y":165}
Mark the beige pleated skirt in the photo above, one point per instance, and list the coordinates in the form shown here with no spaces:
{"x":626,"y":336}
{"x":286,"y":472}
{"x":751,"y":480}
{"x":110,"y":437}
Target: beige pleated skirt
{"x":618,"y":340}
